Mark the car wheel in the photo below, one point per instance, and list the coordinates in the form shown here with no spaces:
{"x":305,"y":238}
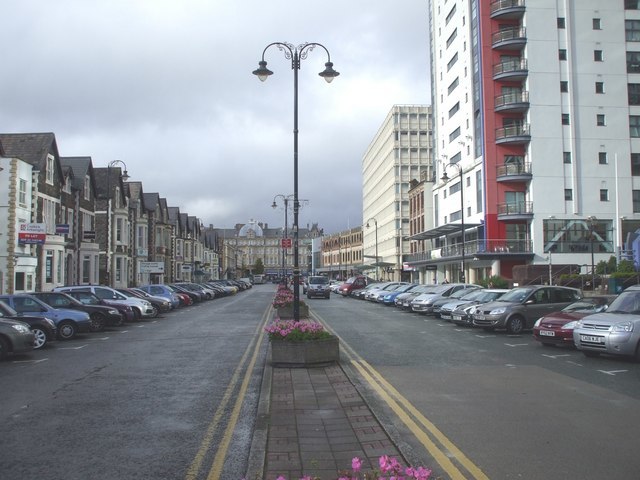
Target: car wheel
{"x":66,"y":330}
{"x":4,"y":348}
{"x":515,"y":325}
{"x":136,"y":315}
{"x":589,"y":353}
{"x":156,"y":312}
{"x":97,"y":322}
{"x":40,"y":339}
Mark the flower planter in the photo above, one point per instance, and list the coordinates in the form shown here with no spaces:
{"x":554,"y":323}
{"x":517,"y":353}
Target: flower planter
{"x":285,"y":313}
{"x":311,"y":353}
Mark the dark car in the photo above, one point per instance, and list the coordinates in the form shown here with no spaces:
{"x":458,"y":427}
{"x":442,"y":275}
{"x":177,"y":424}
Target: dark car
{"x":101,"y":316}
{"x":518,"y":309}
{"x":15,"y":337}
{"x":557,"y":328}
{"x":88,"y":298}
{"x":43,"y":328}
{"x":195,"y":296}
{"x":68,"y":322}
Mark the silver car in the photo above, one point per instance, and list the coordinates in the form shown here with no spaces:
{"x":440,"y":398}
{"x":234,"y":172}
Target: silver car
{"x":616,"y":331}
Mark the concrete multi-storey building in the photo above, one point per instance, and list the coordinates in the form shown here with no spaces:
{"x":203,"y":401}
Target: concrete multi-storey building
{"x":400,"y":151}
{"x":537,"y":107}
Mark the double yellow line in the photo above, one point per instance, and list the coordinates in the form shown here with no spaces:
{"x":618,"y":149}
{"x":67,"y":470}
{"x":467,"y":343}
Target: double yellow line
{"x":450,"y":458}
{"x":214,"y":426}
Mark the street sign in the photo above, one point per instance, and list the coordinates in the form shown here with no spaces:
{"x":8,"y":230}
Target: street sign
{"x":151,"y":267}
{"x":286,"y":243}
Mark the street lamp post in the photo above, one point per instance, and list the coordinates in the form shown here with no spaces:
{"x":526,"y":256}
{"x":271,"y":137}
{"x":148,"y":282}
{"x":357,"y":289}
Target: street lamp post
{"x":592,"y":224}
{"x":296,"y":54}
{"x":285,"y":199}
{"x":375,"y":223}
{"x":108,"y":224}
{"x":445,"y":178}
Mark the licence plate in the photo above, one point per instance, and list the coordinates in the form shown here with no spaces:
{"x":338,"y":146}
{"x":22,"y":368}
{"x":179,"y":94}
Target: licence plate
{"x":479,"y":317}
{"x":457,"y":317}
{"x":591,"y":339}
{"x":547,"y":333}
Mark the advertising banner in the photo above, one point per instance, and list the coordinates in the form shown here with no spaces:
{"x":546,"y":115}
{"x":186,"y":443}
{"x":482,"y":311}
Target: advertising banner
{"x":33,"y":233}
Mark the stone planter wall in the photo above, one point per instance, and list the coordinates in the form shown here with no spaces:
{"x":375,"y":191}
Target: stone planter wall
{"x":286,"y":313}
{"x":313,"y":353}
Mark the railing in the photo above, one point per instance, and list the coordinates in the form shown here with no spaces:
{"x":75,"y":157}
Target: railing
{"x":473,"y":248}
{"x":515,"y":208}
{"x":510,"y":66}
{"x":518,"y":33}
{"x":514,"y":169}
{"x":498,"y":5}
{"x":513,"y":131}
{"x":507,"y":99}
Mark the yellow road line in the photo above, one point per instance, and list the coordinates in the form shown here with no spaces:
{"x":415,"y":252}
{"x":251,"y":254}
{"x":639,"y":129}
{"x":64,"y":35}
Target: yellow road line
{"x":205,"y":444}
{"x":402,"y":408}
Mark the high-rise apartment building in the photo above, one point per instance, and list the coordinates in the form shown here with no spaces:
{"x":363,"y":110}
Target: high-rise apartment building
{"x":536,"y":107}
{"x":400,"y":152}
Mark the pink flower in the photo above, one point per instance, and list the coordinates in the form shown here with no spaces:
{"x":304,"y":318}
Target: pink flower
{"x":356,"y":464}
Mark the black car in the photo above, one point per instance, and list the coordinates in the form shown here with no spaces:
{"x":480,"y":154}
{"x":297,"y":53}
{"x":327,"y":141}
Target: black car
{"x":44,"y":329}
{"x":89,"y":298}
{"x":101,"y":315}
{"x":195,"y":296}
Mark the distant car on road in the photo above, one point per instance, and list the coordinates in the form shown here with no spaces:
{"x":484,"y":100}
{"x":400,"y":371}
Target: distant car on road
{"x":318,"y":286}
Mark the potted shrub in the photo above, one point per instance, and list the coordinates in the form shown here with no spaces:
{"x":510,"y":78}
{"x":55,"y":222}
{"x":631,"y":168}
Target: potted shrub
{"x":301,"y":344}
{"x":283,"y":303}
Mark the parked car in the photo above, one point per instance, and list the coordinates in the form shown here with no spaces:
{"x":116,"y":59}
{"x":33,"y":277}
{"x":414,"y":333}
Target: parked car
{"x":458,"y":311}
{"x":377,"y":294}
{"x":390,"y":297}
{"x":438,"y":302}
{"x":15,"y":337}
{"x":616,"y":331}
{"x":68,"y":322}
{"x":101,"y":316}
{"x":518,"y":309}
{"x":423,"y":303}
{"x":318,"y":286}
{"x":403,"y":300}
{"x":43,"y":328}
{"x":334,"y":285}
{"x":141,"y":308}
{"x":352,"y":285}
{"x":88,"y":298}
{"x":361,"y":293}
{"x":160,"y":304}
{"x":557,"y":328}
{"x":194,"y":296}
{"x":160,"y":290}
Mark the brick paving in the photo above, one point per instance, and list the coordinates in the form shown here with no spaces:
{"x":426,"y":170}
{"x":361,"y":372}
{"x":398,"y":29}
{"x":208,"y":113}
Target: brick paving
{"x":316,"y":423}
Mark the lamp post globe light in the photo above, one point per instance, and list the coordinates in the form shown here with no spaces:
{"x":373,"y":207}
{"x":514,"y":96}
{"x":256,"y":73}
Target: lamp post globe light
{"x":296,"y":54}
{"x":375,"y":223}
{"x":445,"y":179}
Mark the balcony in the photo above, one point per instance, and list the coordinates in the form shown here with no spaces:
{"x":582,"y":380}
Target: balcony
{"x":513,"y":134}
{"x":511,"y":70}
{"x":515,"y":211}
{"x":512,"y":102}
{"x":514,"y":172}
{"x":507,"y":9}
{"x":509,"y":39}
{"x":473,"y":249}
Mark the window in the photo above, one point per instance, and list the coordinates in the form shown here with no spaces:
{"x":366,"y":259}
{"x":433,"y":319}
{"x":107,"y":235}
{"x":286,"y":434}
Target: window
{"x":633,"y":62}
{"x":599,"y":87}
{"x":597,"y":24}
{"x":562,"y":54}
{"x":453,"y":86}
{"x":450,"y":14}
{"x":455,"y":134}
{"x":598,"y":56}
{"x":635,"y":194}
{"x":50,"y":168}
{"x":49,"y":215}
{"x":632,"y":4}
{"x":452,"y":62}
{"x":564,"y":86}
{"x":452,"y":37}
{"x":22,"y":192}
{"x":604,"y":195}
{"x":602,"y":158}
{"x":565,"y":119}
{"x":454,"y":109}
{"x":561,"y":22}
{"x":87,"y":187}
{"x":635,"y":164}
{"x":566,"y":157}
{"x":633,"y":91}
{"x":634,"y":126}
{"x":600,"y":120}
{"x":568,"y":194}
{"x":632,"y":30}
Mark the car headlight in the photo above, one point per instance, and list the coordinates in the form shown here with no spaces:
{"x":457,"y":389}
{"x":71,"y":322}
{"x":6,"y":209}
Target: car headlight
{"x":498,"y":311}
{"x":50,"y":322}
{"x":469,"y":310}
{"x":578,"y":324}
{"x":570,"y":325}
{"x":622,"y":327}
{"x":112,"y":312}
{"x":21,"y":328}
{"x":537,"y":324}
{"x":147,"y":304}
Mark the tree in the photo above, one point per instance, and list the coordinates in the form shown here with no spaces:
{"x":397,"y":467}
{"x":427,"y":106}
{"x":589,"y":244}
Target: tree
{"x":258,"y":268}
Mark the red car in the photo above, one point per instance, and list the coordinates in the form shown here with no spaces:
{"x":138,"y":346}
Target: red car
{"x":557,"y":328}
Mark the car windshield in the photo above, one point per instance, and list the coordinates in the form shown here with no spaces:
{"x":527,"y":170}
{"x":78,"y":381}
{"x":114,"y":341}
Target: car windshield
{"x":626,"y":302}
{"x":517,"y":295}
{"x":586,"y":305}
{"x":463,"y":292}
{"x":470,"y":295}
{"x":318,"y":280}
{"x":489,"y":296}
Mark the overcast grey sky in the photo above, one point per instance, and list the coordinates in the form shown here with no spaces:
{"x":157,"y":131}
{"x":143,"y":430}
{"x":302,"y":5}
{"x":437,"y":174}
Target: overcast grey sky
{"x":166,"y":87}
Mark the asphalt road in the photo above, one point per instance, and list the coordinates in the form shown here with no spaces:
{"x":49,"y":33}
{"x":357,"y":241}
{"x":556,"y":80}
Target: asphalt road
{"x":151,"y":400}
{"x":510,"y":408}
